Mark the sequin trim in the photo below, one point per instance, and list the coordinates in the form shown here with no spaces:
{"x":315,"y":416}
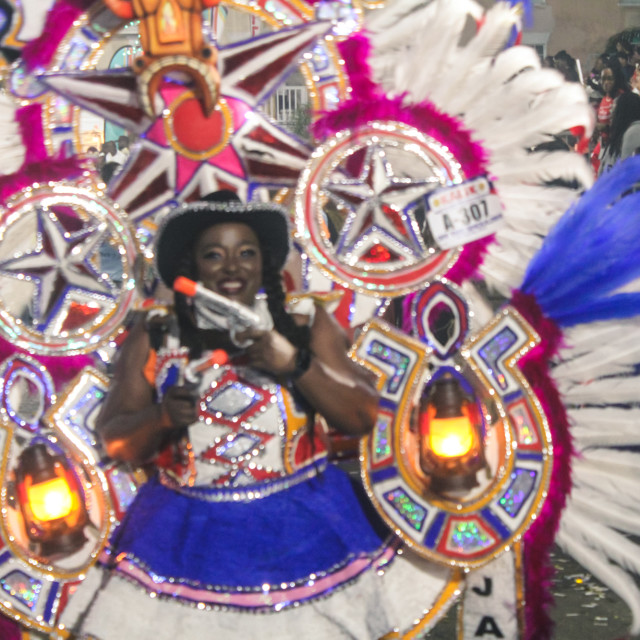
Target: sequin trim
{"x":266,"y":599}
{"x":246,"y":493}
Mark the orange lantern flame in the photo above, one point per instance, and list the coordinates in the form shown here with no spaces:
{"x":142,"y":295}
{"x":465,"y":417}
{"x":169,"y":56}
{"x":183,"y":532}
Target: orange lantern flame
{"x":50,"y":500}
{"x":451,"y":443}
{"x":451,"y":437}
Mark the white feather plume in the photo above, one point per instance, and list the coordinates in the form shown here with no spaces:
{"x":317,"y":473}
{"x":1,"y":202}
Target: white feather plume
{"x":475,"y":58}
{"x":600,"y":508}
{"x":509,"y":94}
{"x":592,"y":547}
{"x":544,"y":167}
{"x":509,"y":64}
{"x":611,"y":350}
{"x":615,"y":390}
{"x":616,"y":460}
{"x":588,"y":474}
{"x":12,"y":150}
{"x":604,"y":426}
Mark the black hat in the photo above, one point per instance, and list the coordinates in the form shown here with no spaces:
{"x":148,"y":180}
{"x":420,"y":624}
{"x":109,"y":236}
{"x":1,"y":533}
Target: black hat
{"x":181,"y":226}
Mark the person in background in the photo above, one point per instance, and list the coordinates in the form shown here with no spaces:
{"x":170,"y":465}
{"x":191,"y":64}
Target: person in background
{"x":634,"y":83}
{"x":614,"y":85}
{"x":548,"y":62}
{"x":593,"y":85}
{"x":624,"y":53}
{"x":566,"y":64}
{"x":123,"y":147}
{"x":108,"y":170}
{"x":624,"y":134}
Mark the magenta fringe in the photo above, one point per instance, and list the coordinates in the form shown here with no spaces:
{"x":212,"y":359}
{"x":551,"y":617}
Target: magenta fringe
{"x":369,"y":103}
{"x":39,"y":52}
{"x":37,"y":165}
{"x":9,"y":630}
{"x":539,"y":539}
{"x":62,"y":369}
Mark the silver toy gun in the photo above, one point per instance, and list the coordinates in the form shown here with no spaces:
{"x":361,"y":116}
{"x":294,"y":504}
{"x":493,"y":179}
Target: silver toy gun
{"x":239,"y":317}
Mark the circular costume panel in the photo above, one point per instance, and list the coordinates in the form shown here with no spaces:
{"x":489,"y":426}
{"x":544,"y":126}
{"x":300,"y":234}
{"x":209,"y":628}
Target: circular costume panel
{"x":66,"y":260}
{"x":360,"y":211}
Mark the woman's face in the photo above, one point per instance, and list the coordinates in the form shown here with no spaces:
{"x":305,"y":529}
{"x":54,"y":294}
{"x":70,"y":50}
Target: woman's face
{"x":607,"y":80}
{"x":228,"y":261}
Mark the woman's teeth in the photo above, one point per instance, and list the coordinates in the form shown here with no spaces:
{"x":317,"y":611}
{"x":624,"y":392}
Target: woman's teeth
{"x":231,"y":286}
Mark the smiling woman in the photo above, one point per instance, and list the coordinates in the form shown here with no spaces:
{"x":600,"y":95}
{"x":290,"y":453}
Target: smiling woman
{"x":243,"y":513}
{"x":229,"y":261}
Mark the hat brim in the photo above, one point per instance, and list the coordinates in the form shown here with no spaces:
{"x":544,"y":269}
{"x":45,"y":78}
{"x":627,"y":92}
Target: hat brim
{"x":179,"y":230}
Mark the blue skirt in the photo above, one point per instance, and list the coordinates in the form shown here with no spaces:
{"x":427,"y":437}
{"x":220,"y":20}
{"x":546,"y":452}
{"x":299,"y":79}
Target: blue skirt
{"x":293,"y":545}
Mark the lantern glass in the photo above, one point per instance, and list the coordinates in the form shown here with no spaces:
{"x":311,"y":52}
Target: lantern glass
{"x":451,"y":443}
{"x":451,"y":437}
{"x":50,"y":500}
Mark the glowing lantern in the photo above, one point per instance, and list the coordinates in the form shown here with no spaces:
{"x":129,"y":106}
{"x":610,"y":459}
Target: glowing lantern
{"x":51,"y":501}
{"x":451,"y":443}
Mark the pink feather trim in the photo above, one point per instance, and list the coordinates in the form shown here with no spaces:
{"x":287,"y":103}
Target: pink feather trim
{"x":37,"y":165}
{"x":368,"y":103}
{"x":539,"y":539}
{"x":39,"y":52}
{"x":62,"y":369}
{"x":9,"y":630}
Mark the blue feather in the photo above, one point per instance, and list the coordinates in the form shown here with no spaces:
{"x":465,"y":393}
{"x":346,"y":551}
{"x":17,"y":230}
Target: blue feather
{"x":592,"y":252}
{"x":619,"y":306}
{"x":527,"y":9}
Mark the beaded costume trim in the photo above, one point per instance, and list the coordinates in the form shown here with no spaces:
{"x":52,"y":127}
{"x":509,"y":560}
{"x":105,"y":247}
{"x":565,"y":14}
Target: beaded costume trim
{"x":247,"y":493}
{"x":269,"y":598}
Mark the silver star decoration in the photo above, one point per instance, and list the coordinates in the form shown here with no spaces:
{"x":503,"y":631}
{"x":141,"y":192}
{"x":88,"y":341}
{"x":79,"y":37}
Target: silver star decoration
{"x":59,"y":262}
{"x":378,"y":210}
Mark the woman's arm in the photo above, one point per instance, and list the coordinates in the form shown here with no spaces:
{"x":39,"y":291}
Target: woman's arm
{"x":132,"y":426}
{"x":335,"y":386}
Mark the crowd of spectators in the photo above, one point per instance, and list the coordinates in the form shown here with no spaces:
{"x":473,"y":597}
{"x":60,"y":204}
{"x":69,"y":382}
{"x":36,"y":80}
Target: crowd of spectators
{"x":111,"y":156}
{"x":613,"y":87}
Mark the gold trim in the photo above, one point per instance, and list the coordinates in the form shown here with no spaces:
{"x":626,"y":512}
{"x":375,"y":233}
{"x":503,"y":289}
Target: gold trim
{"x":518,"y":558}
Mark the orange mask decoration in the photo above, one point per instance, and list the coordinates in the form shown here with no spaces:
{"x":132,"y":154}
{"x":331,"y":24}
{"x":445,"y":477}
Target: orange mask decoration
{"x":171,"y":38}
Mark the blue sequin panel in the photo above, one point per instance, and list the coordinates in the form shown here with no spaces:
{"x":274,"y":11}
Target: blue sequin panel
{"x":22,"y":587}
{"x":399,"y":361}
{"x":493,"y":350}
{"x":409,"y":510}
{"x":523,"y":482}
{"x":382,"y":440}
{"x":468,"y":537}
{"x":76,"y":53}
{"x":236,"y":445}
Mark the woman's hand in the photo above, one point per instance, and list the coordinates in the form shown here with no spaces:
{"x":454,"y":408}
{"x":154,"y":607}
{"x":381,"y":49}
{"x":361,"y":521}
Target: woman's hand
{"x":179,"y":407}
{"x":269,"y":351}
{"x":334,"y":385}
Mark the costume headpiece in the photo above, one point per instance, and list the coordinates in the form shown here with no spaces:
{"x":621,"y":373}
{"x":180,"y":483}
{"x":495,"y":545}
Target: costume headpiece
{"x":180,"y":228}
